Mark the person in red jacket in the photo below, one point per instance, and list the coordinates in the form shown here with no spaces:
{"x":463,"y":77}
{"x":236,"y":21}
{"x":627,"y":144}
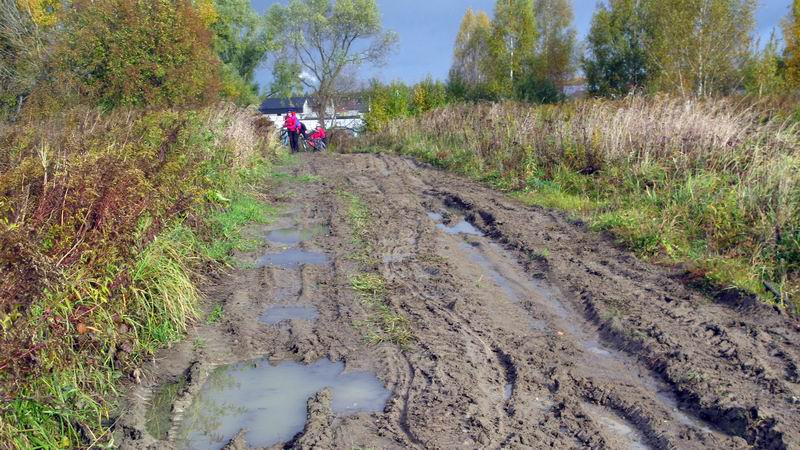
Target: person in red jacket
{"x":319,"y":133}
{"x":290,"y":123}
{"x":318,"y":139}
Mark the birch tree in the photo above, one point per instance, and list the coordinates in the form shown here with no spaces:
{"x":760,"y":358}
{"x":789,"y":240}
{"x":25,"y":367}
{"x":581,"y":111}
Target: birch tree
{"x":471,"y":50}
{"x":555,"y":46}
{"x":791,"y":37}
{"x":512,"y":46}
{"x":699,"y":47}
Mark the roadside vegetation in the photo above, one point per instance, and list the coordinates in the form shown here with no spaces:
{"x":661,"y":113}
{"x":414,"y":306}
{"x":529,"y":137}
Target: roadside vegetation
{"x":714,"y":185}
{"x":126,"y":173}
{"x":107,"y":228}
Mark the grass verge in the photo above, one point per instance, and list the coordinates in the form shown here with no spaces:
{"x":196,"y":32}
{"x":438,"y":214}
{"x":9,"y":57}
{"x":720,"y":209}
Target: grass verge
{"x":711,"y":186}
{"x":117,"y":228}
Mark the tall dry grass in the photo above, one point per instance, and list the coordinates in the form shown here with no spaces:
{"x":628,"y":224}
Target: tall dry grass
{"x":713,"y":184}
{"x":104,"y":220}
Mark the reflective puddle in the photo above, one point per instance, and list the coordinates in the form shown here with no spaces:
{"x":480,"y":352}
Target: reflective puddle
{"x":514,"y":291}
{"x":277,"y":314}
{"x":292,"y":258}
{"x":508,"y":390}
{"x":270,"y":401}
{"x":620,"y":429}
{"x":159,"y":416}
{"x":454,"y":227}
{"x":296,"y":235}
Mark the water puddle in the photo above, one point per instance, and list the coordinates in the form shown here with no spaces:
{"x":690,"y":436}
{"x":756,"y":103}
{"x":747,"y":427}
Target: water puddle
{"x":508,"y":389}
{"x":624,"y":433}
{"x":270,"y":401}
{"x":292,"y":258}
{"x":454,"y":227}
{"x":514,"y":292}
{"x":296,"y":235}
{"x":279,"y":313}
{"x":159,"y":416}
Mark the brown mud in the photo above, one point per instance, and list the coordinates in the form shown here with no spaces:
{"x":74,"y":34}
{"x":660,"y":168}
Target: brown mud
{"x":529,"y":331}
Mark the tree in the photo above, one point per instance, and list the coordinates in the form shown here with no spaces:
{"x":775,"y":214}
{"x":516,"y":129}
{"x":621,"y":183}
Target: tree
{"x":386,"y":102}
{"x":427,"y":95}
{"x":25,"y":33}
{"x":240,"y":39}
{"x":616,"y":62}
{"x":764,"y":72}
{"x":512,"y":46}
{"x":791,"y":37}
{"x":323,"y":38}
{"x":470,"y":53}
{"x":699,"y":47}
{"x":555,"y":45}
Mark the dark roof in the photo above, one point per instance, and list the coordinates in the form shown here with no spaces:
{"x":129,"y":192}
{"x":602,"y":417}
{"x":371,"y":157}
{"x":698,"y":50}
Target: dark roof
{"x":355,"y":104}
{"x":282,"y":105}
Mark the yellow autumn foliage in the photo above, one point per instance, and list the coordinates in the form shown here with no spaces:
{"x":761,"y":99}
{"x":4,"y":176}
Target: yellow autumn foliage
{"x":207,"y":12}
{"x":43,"y":12}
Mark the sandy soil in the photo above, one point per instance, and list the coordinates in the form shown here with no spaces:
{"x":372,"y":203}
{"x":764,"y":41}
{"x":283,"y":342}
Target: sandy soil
{"x":533,"y":333}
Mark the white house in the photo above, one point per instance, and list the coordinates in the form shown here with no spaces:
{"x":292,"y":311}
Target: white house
{"x":349,"y":115}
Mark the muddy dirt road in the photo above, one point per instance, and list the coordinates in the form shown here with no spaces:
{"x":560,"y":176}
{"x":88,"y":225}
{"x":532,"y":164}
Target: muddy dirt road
{"x":527,"y":331}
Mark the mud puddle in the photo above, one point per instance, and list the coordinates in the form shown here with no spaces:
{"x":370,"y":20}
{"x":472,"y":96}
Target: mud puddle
{"x":269,"y":401}
{"x":619,"y":432}
{"x":295,"y":235}
{"x":279,"y":313}
{"x":159,"y":416}
{"x":292,"y":258}
{"x":452,"y":223}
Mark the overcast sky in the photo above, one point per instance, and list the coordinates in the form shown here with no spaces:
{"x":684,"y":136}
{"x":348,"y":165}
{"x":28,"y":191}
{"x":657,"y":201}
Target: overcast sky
{"x":428,"y":29}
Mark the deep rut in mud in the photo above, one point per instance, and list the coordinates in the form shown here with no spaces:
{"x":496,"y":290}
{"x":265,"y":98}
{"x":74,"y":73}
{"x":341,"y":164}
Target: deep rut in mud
{"x":528,"y":332}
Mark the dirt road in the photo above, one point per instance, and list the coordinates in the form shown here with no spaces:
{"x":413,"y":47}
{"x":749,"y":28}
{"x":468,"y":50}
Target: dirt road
{"x":527,"y":331}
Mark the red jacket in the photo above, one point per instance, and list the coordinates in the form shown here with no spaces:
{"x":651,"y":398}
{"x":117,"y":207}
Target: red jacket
{"x":319,"y":134}
{"x":290,"y":123}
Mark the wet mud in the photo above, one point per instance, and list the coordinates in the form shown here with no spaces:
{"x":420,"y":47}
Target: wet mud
{"x":529,"y":332}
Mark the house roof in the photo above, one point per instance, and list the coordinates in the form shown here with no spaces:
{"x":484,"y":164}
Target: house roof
{"x":282,"y":105}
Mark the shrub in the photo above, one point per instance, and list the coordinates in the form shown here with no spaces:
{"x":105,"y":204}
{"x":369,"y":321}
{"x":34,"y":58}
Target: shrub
{"x":154,"y":53}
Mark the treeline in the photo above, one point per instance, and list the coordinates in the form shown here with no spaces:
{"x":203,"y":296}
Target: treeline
{"x":689,"y":48}
{"x":528,"y":52}
{"x":154,"y":53}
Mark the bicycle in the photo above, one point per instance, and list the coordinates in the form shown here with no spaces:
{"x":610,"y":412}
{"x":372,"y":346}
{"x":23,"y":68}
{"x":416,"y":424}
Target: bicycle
{"x":314,"y":145}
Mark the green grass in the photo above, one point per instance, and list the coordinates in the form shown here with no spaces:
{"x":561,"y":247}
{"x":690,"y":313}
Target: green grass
{"x":359,"y":219}
{"x":384,"y":324}
{"x":302,"y":178}
{"x":215,"y":315}
{"x":226,"y":223}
